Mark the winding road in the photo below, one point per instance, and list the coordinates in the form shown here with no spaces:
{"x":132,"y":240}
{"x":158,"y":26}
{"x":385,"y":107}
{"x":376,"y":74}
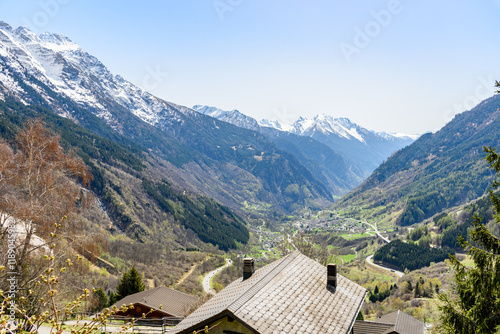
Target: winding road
{"x":376,"y":231}
{"x":206,"y":280}
{"x":369,"y":259}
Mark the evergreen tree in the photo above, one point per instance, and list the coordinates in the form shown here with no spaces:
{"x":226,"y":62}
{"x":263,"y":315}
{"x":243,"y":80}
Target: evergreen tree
{"x":100,"y":300}
{"x":130,"y":283}
{"x":416,"y":293}
{"x":112,"y":298}
{"x":474,"y":305}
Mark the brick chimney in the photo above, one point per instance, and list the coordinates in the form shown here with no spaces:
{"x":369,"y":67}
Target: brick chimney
{"x":248,"y":267}
{"x":331,"y":278}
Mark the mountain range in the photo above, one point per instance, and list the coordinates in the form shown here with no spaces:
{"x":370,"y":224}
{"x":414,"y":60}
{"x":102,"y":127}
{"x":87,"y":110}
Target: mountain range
{"x":153,"y":160}
{"x":214,"y":157}
{"x":341,"y":153}
{"x":159,"y":166}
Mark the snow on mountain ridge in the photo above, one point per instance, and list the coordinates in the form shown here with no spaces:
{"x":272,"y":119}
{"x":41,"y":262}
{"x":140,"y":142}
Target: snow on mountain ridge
{"x":327,"y":124}
{"x":58,"y":62}
{"x":342,"y":126}
{"x":397,"y":135}
{"x":273,"y":124}
{"x":234,"y":116}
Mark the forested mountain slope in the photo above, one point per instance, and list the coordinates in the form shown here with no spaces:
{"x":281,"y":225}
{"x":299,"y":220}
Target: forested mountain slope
{"x":126,"y":180}
{"x":438,"y":171}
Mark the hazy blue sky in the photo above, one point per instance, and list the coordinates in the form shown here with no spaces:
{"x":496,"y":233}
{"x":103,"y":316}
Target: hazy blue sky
{"x":396,"y":66}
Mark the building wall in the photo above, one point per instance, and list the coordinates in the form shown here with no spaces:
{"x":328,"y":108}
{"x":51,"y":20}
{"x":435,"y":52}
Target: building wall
{"x":224,"y":326}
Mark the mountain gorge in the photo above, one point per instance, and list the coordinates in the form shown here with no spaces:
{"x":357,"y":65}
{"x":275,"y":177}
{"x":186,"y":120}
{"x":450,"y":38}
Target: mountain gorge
{"x":337,"y":151}
{"x":440,"y":170}
{"x":158,"y":166}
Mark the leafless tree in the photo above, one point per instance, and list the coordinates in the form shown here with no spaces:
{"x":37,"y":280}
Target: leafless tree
{"x":41,"y":188}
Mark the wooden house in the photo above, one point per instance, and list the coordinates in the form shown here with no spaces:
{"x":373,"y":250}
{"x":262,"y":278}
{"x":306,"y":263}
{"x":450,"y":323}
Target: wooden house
{"x":173,"y":303}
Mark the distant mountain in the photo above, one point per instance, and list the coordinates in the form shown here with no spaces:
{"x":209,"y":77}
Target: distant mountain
{"x":233,"y":117}
{"x":273,"y":124}
{"x":364,"y":148}
{"x":325,"y":164}
{"x":240,"y":168}
{"x":438,"y":171}
{"x":341,"y":154}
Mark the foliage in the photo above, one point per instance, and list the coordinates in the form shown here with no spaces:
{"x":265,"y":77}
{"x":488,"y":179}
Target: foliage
{"x":409,"y":255}
{"x":100,"y":300}
{"x":419,"y":232}
{"x":41,"y":204}
{"x":211,"y":221}
{"x":452,"y":228}
{"x":377,"y":295}
{"x":401,"y":295}
{"x":130,"y":283}
{"x":474,"y":305}
{"x":51,"y":311}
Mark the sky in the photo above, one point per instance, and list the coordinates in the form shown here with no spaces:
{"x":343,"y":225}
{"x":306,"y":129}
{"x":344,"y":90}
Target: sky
{"x":401,"y":66}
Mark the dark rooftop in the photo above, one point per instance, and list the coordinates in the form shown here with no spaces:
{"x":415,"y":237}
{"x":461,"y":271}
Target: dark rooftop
{"x":394,"y":322}
{"x":173,"y":302}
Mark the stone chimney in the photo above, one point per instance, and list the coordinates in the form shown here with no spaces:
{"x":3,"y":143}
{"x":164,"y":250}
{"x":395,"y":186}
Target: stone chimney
{"x":248,"y":267}
{"x":331,"y":278}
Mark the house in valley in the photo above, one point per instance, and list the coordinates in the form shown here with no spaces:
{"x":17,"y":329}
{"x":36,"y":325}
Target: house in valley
{"x":291,"y":295}
{"x":396,"y":322}
{"x":160,"y":302}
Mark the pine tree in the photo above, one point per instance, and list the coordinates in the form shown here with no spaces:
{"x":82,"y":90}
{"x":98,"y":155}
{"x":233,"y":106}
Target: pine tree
{"x":416,"y":293}
{"x":130,"y":283}
{"x":100,"y":300}
{"x":474,"y":307}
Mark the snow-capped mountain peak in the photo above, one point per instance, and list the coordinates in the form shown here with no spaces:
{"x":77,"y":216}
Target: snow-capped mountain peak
{"x":5,"y":26}
{"x":327,"y":124}
{"x":62,"y":65}
{"x":273,"y":124}
{"x":233,"y":116}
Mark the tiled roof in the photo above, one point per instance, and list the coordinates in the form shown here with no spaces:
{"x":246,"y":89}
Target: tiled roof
{"x":173,"y":302}
{"x":370,"y":327}
{"x":403,"y":323}
{"x":394,"y":322}
{"x":286,"y":296}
